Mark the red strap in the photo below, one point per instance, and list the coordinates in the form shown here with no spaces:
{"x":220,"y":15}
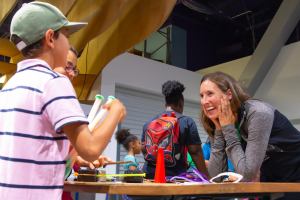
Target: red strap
{"x":173,"y":114}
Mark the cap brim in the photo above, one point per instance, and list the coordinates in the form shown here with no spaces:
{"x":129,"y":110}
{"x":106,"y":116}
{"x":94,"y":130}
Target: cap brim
{"x":73,"y":27}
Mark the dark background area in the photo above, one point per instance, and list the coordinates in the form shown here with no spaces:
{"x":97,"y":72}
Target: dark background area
{"x":217,"y":31}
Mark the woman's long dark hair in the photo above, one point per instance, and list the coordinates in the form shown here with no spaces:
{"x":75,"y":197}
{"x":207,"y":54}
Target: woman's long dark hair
{"x":224,"y":82}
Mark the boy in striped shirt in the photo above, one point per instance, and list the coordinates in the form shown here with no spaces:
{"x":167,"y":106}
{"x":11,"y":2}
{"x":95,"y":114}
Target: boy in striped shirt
{"x":39,"y":110}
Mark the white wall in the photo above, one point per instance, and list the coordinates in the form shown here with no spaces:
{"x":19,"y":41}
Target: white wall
{"x":235,"y":67}
{"x":146,"y":75}
{"x":281,"y":86}
{"x":141,"y":73}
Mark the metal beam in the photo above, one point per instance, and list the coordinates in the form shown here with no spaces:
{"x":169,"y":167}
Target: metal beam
{"x":295,"y":121}
{"x":278,"y":32}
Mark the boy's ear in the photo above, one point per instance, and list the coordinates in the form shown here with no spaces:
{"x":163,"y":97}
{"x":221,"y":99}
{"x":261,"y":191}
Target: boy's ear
{"x":49,"y":38}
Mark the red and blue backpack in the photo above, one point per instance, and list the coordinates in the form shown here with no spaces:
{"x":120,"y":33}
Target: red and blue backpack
{"x":162,"y":132}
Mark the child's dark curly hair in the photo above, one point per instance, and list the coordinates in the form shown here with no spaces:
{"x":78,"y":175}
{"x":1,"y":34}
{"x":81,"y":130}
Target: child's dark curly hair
{"x":172,"y":90}
{"x":124,"y":137}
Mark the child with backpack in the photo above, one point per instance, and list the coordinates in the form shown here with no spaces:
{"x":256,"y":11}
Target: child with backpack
{"x":133,"y":146}
{"x":176,"y":133}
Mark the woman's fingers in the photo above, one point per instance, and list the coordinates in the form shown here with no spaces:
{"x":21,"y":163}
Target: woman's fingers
{"x":225,"y":104}
{"x":225,"y":113}
{"x":223,"y":107}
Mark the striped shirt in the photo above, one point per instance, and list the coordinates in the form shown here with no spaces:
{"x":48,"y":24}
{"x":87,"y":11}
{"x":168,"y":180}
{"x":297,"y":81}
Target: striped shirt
{"x":34,"y":106}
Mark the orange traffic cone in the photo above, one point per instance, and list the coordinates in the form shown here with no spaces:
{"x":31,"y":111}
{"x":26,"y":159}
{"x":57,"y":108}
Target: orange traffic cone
{"x":160,"y":173}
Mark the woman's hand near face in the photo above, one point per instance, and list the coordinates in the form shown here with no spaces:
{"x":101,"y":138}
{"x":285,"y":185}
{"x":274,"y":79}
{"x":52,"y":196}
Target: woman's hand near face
{"x":226,"y":115}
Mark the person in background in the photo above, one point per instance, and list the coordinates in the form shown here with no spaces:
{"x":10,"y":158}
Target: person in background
{"x":70,"y":70}
{"x":40,"y":110}
{"x":206,"y":155}
{"x":74,"y":161}
{"x":259,"y":140}
{"x":206,"y":148}
{"x":188,"y":133}
{"x":133,"y":147}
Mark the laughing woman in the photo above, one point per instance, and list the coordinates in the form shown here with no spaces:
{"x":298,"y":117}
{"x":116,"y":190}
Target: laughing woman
{"x":259,"y":140}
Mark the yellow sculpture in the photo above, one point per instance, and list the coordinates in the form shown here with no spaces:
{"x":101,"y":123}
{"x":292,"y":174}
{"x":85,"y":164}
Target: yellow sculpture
{"x":114,"y":27}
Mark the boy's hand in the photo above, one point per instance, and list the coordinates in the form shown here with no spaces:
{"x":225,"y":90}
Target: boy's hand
{"x":117,"y":107}
{"x":101,"y":161}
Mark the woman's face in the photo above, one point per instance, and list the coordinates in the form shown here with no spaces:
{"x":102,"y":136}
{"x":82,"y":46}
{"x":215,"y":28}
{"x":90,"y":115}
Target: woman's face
{"x":210,"y":98}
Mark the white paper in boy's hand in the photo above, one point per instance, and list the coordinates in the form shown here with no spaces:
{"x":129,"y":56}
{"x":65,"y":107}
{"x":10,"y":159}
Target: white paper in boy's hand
{"x":97,"y":103}
{"x":230,"y":177}
{"x":100,"y":116}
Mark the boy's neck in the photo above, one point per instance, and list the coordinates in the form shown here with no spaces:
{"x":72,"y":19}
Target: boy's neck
{"x":47,"y":58}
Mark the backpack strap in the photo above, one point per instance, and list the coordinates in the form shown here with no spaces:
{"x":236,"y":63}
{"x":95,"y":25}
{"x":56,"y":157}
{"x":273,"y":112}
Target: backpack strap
{"x":184,"y":149}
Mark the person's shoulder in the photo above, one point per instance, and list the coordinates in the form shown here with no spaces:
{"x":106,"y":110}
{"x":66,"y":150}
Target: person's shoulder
{"x":185,"y":118}
{"x":255,"y":105}
{"x":129,"y":158}
{"x":41,"y":74}
{"x":150,"y":120}
{"x":59,"y":80}
{"x":154,"y":117}
{"x":37,"y":66}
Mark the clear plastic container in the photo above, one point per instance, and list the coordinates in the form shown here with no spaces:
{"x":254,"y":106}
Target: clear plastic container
{"x":101,"y":173}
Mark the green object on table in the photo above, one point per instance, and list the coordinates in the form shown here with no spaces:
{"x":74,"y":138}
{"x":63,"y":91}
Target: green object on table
{"x":190,"y":161}
{"x":68,"y":169}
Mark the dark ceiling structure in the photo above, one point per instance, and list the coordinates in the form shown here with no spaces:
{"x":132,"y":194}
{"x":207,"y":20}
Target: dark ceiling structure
{"x":219,"y":31}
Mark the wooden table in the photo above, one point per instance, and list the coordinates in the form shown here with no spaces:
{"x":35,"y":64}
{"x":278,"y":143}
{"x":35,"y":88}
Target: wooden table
{"x":150,"y":189}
